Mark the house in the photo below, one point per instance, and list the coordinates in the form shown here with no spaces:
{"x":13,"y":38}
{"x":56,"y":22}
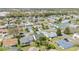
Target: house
{"x":3,"y":33}
{"x":51,"y":19}
{"x":11,"y":26}
{"x":74,"y":28}
{"x":76,"y":36}
{"x":65,"y":21}
{"x":75,"y":39}
{"x":26,"y":40}
{"x":61,"y":25}
{"x":64,"y":43}
{"x":3,"y":14}
{"x":50,"y":34}
{"x":26,"y":26}
{"x":10,"y":42}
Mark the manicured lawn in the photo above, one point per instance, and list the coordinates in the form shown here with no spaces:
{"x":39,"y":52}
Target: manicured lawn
{"x":25,"y":48}
{"x":3,"y":49}
{"x":74,"y":48}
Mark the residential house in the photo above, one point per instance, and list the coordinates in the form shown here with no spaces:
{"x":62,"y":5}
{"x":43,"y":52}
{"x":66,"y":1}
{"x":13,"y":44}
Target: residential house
{"x":61,"y":25}
{"x":3,"y":33}
{"x":51,"y":19}
{"x":50,"y":34}
{"x":26,"y":26}
{"x":3,"y":14}
{"x":75,"y":39}
{"x":74,"y":28}
{"x":76,"y":36}
{"x":65,"y":21}
{"x":26,"y":40}
{"x":64,"y":43}
{"x":10,"y":42}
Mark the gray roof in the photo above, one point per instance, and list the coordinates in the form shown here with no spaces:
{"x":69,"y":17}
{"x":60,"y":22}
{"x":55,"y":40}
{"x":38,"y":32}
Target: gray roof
{"x":65,"y":44}
{"x":52,"y":34}
{"x":65,"y":21}
{"x":26,"y":39}
{"x":61,"y":25}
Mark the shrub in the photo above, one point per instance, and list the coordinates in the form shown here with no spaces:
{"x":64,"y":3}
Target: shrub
{"x":42,"y":41}
{"x":58,"y":32}
{"x":51,"y":46}
{"x":67,"y":30}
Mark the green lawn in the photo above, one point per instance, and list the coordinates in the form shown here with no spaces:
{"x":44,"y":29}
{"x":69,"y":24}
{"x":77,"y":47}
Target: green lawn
{"x":3,"y":49}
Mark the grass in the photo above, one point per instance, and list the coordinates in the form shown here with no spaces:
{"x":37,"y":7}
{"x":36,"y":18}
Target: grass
{"x":74,"y":48}
{"x":27,"y":47}
{"x":3,"y":49}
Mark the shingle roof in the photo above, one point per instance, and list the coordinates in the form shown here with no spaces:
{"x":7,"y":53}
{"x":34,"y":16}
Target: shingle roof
{"x":65,"y":21}
{"x":64,"y":43}
{"x":52,"y":34}
{"x":9,"y":42}
{"x":26,"y":39}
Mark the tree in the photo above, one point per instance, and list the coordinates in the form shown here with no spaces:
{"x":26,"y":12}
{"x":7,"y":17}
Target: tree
{"x":19,"y":36}
{"x":33,"y":28}
{"x":58,"y":32}
{"x":43,"y":26}
{"x":47,"y":27}
{"x":51,"y":46}
{"x":1,"y":44}
{"x":17,"y":14}
{"x":67,"y":30}
{"x":27,"y":29}
{"x":42,"y":41}
{"x":60,"y":19}
{"x":18,"y":21}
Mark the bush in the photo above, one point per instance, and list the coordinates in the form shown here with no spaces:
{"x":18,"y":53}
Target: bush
{"x":60,"y":20}
{"x":27,"y":30}
{"x":58,"y":32}
{"x":42,"y":41}
{"x":51,"y":46}
{"x":67,"y":30}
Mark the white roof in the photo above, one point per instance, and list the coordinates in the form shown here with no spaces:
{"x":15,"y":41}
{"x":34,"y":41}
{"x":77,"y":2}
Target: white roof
{"x":3,"y":13}
{"x":51,"y":34}
{"x":65,"y":21}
